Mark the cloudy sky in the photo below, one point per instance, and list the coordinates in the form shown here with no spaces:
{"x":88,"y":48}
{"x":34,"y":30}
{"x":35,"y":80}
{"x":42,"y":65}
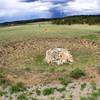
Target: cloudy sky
{"x":12,"y":10}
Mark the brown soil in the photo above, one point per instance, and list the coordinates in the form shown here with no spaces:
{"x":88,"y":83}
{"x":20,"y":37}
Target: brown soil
{"x":92,"y":75}
{"x":53,"y":78}
{"x":15,"y":50}
{"x":40,"y":44}
{"x":36,"y":78}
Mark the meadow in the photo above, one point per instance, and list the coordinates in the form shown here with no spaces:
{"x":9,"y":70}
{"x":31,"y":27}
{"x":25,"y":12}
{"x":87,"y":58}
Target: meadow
{"x":28,"y":31}
{"x":23,"y":47}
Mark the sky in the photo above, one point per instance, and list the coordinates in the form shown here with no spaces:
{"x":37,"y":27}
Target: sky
{"x":13,"y":10}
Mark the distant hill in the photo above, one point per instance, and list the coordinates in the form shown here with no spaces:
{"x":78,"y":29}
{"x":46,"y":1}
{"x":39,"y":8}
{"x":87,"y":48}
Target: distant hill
{"x":79,"y":19}
{"x":23,"y":22}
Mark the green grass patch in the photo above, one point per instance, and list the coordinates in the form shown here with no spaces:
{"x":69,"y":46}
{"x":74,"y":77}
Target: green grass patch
{"x":65,"y":80}
{"x":2,"y":93}
{"x":4,"y":82}
{"x":93,"y":84}
{"x":77,"y":73}
{"x":18,"y":87}
{"x":48,"y":91}
{"x":33,"y":60}
{"x":38,"y":92}
{"x":22,"y":97}
{"x":95,"y":95}
{"x":39,"y":59}
{"x":83,"y":86}
{"x":82,"y":58}
{"x":90,"y":37}
{"x":29,"y":31}
{"x":61,"y":89}
{"x":2,"y":74}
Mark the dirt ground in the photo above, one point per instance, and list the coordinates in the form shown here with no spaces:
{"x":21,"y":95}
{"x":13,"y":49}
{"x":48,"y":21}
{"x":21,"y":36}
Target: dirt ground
{"x":11,"y":52}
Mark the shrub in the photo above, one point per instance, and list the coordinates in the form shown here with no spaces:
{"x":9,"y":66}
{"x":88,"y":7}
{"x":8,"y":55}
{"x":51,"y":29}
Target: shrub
{"x":38,"y":92}
{"x":77,"y":73}
{"x":94,"y":96}
{"x":4,"y":81}
{"x":83,"y":86}
{"x":48,"y":91}
{"x":22,"y":97}
{"x":18,"y":87}
{"x":2,"y":93}
{"x":61,"y":89}
{"x":93,"y":84}
{"x":2,"y":74}
{"x":65,"y":81}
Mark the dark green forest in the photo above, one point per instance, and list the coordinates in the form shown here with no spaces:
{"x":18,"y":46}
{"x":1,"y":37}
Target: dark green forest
{"x":82,"y":19}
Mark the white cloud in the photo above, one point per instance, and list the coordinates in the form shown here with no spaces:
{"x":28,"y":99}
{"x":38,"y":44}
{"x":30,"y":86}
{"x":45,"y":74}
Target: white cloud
{"x":14,"y":9}
{"x":82,"y":7}
{"x":83,"y":4}
{"x":11,"y":7}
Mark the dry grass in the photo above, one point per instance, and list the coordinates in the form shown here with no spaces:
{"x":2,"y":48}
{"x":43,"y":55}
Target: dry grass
{"x":24,"y":59}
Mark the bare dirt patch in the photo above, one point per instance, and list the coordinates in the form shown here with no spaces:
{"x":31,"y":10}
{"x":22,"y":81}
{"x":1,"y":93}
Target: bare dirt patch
{"x":16,"y":55}
{"x":92,"y":75}
{"x":42,"y":44}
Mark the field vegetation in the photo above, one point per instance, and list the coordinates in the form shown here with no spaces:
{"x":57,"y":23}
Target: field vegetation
{"x":22,"y":53}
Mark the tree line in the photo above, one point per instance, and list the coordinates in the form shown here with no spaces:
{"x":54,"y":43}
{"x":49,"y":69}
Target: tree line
{"x":81,"y":19}
{"x":22,"y":22}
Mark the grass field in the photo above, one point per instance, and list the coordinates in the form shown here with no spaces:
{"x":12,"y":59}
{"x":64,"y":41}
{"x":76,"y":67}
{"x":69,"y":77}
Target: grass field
{"x":24,"y":59}
{"x":23,"y":32}
{"x":46,"y":30}
{"x":22,"y":53}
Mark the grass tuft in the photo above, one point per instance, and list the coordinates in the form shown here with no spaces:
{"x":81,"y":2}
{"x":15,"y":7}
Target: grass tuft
{"x":64,"y":81}
{"x":18,"y":87}
{"x":22,"y":97}
{"x":48,"y":91}
{"x":77,"y":73}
